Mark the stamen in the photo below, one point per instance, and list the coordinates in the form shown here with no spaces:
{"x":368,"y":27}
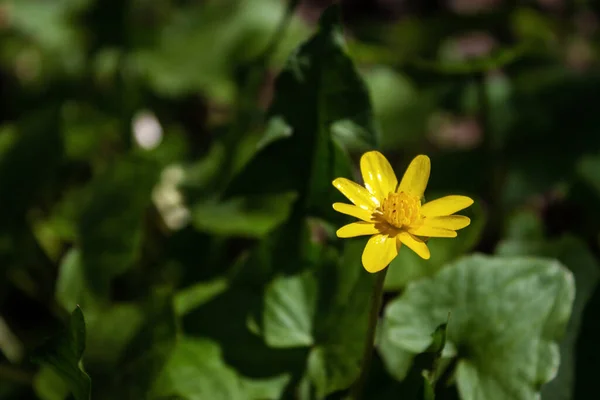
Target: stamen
{"x":400,"y":209}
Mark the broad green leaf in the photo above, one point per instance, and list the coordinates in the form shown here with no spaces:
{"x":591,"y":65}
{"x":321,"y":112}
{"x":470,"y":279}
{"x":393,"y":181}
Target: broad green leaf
{"x":408,"y":266}
{"x":508,"y":314}
{"x":319,"y":88}
{"x":150,"y":349}
{"x":234,"y":314}
{"x":52,"y":29}
{"x":290,"y":308}
{"x":71,"y":287}
{"x":325,"y":309}
{"x":265,"y":389}
{"x":63,"y":354}
{"x":48,"y":385}
{"x":228,"y":34}
{"x":200,"y":293}
{"x":110,"y":330}
{"x":110,"y":227}
{"x":249,"y":217}
{"x":574,"y":253}
{"x":196,"y":371}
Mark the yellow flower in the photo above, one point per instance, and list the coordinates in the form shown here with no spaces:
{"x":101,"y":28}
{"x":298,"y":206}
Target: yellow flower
{"x":393,"y":213}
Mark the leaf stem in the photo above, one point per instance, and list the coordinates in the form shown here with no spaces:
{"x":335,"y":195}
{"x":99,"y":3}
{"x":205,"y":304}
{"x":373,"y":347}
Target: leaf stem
{"x":376,"y":300}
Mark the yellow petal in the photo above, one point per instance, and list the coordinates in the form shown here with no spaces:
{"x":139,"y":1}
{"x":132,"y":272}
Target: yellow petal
{"x":378,"y":174}
{"x":356,"y":194}
{"x":416,"y":177}
{"x":445,"y":206}
{"x":430,"y":231}
{"x":415,"y":244}
{"x":452,"y":222}
{"x":379,"y":252}
{"x":356,"y":229}
{"x":353,"y":211}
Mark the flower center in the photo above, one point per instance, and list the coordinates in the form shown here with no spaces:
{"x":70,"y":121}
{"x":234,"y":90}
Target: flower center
{"x":400,"y":209}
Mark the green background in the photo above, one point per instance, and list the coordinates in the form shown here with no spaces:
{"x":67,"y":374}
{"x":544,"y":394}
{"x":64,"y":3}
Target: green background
{"x":166,"y":229}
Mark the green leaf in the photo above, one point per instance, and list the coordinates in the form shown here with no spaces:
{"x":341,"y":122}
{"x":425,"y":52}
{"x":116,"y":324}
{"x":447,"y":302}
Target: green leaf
{"x":71,"y":287}
{"x":318,"y":89}
{"x":326,"y":309}
{"x":200,"y":293}
{"x":421,"y":379}
{"x":110,"y":329}
{"x":228,"y":34}
{"x":51,"y":28}
{"x":196,"y":370}
{"x":574,"y":253}
{"x":290,"y":308}
{"x":265,"y":389}
{"x":408,"y":266}
{"x":48,"y":385}
{"x":110,"y":227}
{"x":249,"y":217}
{"x":150,"y":349}
{"x":63,"y":354}
{"x":507,"y":316}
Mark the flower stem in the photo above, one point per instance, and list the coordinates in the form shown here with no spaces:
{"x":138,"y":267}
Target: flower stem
{"x":376,"y":299}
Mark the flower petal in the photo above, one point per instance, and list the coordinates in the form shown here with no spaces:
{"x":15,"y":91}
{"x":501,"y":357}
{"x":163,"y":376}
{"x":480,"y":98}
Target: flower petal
{"x":353,"y":211}
{"x":415,"y":244}
{"x":445,"y":206}
{"x":378,"y":174}
{"x":452,"y":222}
{"x":416,"y":177}
{"x":356,"y":194}
{"x":379,"y":252}
{"x":430,"y":231}
{"x":356,"y":229}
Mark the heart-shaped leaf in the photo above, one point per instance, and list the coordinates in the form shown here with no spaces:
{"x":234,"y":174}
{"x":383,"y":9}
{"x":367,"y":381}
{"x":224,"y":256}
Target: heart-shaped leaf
{"x":507,"y":316}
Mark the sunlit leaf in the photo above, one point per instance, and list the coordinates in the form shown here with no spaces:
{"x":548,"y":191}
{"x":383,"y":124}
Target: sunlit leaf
{"x":326,"y":309}
{"x":507,"y":317}
{"x":196,"y":370}
{"x":574,"y":253}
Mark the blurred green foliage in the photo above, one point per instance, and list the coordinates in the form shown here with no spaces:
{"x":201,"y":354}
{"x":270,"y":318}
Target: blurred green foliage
{"x":166,"y":229}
